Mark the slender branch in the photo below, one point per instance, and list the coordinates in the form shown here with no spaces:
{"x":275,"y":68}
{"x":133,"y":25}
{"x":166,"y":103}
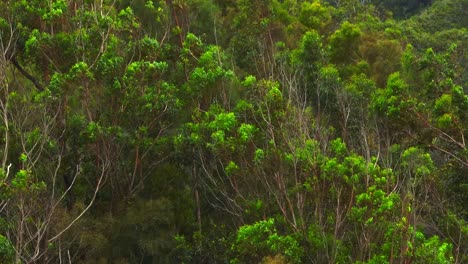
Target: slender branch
{"x":26,"y":74}
{"x":98,"y":187}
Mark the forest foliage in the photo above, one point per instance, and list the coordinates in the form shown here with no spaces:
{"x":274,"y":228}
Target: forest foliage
{"x":233,"y":131}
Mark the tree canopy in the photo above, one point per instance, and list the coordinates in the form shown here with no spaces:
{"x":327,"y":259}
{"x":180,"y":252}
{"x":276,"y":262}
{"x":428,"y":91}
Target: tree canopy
{"x":211,"y":131}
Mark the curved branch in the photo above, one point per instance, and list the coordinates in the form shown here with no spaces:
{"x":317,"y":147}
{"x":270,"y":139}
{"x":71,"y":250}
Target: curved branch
{"x":36,"y":83}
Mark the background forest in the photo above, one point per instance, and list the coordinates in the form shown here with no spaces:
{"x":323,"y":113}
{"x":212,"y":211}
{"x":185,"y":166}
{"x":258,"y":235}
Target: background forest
{"x":233,"y":131}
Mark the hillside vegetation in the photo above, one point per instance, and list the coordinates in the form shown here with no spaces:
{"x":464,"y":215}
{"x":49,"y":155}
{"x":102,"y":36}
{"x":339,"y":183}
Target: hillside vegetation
{"x":234,"y":131}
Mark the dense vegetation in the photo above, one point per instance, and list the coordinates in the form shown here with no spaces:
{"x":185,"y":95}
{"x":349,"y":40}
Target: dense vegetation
{"x":233,"y":131}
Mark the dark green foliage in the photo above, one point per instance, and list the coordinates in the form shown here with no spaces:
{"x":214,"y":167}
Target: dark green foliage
{"x":203,"y":131}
